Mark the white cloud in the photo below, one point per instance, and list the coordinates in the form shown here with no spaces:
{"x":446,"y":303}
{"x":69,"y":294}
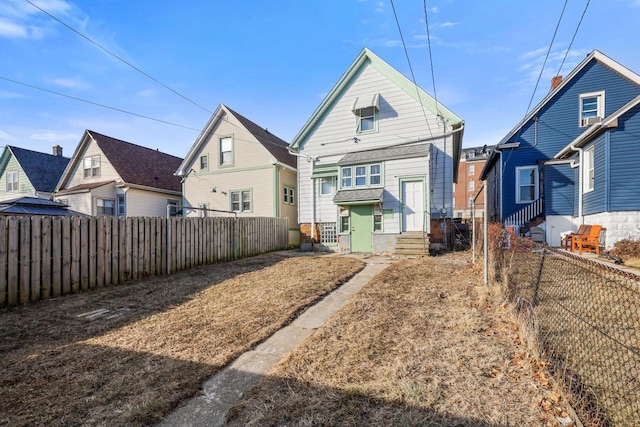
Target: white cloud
{"x":448,"y":24}
{"x":12,"y":29}
{"x":70,"y":83}
{"x":6,"y":137}
{"x":11,"y":95}
{"x":392,"y":43}
{"x":434,"y":9}
{"x":53,"y":136}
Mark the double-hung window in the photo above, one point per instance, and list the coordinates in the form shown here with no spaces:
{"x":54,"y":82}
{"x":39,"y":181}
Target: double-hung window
{"x":327,"y":185}
{"x":204,"y":162}
{"x":588,"y":169}
{"x":361,"y":176}
{"x":241,"y":201}
{"x":122,"y":209}
{"x":367,"y":120}
{"x":374,"y":175}
{"x":346,"y":178}
{"x":591,"y":108}
{"x":92,"y":166}
{"x":226,"y":151}
{"x":471,"y":169}
{"x":105,"y":207}
{"x":526,"y":184}
{"x":12,"y":181}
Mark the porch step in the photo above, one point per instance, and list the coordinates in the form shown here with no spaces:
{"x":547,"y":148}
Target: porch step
{"x":412,"y":243}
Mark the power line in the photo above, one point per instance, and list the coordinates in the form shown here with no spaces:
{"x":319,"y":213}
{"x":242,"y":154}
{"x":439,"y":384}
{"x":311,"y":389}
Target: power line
{"x":410,"y":67}
{"x":117,"y":57}
{"x":546,"y":57}
{"x":574,"y":36}
{"x":97,"y":104}
{"x":433,"y":76}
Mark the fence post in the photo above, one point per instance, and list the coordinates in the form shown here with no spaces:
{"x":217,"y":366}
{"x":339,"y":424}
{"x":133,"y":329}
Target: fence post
{"x":536,"y":286}
{"x":236,"y":237}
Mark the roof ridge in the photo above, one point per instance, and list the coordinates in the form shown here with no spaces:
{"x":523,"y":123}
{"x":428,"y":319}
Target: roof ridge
{"x":92,"y":132}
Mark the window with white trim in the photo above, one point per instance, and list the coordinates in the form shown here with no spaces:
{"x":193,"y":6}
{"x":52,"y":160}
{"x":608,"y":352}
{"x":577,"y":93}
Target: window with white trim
{"x":591,"y":108}
{"x":471,"y":169}
{"x":12,"y":181}
{"x":289,"y":197}
{"x":471,"y":185}
{"x":470,"y":202}
{"x":361,"y":176}
{"x":526,"y":184}
{"x":92,"y":166}
{"x":588,"y":169}
{"x":327,"y":186}
{"x":367,"y":119}
{"x":226,"y":151}
{"x":241,"y":201}
{"x":105,"y":207}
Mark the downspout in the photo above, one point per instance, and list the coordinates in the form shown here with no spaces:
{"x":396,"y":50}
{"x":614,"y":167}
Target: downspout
{"x":580,"y":172}
{"x":313,"y":192}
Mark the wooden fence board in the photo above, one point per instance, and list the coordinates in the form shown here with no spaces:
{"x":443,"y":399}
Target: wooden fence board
{"x":122,"y":250}
{"x":84,"y":253}
{"x":107,"y":251}
{"x":56,"y":257}
{"x":134,"y":249}
{"x":114,"y":249}
{"x":101,"y":256}
{"x":75,"y":254}
{"x":93,"y":252}
{"x":36,"y":258}
{"x":152,"y":246}
{"x":13,"y":261}
{"x":25,"y":255}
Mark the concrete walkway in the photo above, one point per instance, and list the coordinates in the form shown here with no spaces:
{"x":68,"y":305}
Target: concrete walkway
{"x":223,"y":390}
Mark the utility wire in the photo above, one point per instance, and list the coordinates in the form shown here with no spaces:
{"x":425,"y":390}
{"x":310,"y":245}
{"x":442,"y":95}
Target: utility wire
{"x":410,"y":67}
{"x":97,"y":104}
{"x":117,"y":57}
{"x":547,"y":56}
{"x":574,"y":37}
{"x":433,"y":74}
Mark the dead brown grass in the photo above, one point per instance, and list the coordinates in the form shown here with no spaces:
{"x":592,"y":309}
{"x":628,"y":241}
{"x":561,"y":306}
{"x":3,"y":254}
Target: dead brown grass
{"x":424,"y":343}
{"x":174,"y":332}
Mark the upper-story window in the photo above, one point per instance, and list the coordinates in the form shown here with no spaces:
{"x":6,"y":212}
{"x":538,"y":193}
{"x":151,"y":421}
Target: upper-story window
{"x":361,"y":176}
{"x":471,"y":169}
{"x":12,"y":181}
{"x":591,"y":108}
{"x":204,"y":162}
{"x":91,"y":166}
{"x":327,"y":185}
{"x":366,"y":111}
{"x":226,"y":151}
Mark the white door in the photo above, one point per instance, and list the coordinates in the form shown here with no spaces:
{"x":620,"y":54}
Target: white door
{"x":412,"y":205}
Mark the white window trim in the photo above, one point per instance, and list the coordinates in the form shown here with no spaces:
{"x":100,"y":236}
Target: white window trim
{"x":15,"y":184}
{"x":333,"y":181}
{"x":367,"y":176}
{"x":471,"y":170}
{"x":600,"y":96}
{"x":359,"y":118}
{"x":92,"y":169}
{"x":588,"y":159}
{"x":535,"y":184}
{"x":114,"y":207}
{"x":221,"y":162}
{"x":121,"y":201}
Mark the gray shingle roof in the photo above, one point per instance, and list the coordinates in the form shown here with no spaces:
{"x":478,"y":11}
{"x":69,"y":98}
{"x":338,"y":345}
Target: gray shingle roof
{"x":35,"y":206}
{"x":276,"y":146}
{"x":390,"y":153}
{"x":42,"y":169}
{"x":359,"y":195}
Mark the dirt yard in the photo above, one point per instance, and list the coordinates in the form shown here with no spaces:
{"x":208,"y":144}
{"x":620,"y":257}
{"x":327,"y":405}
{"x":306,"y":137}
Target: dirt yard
{"x":424,"y":343}
{"x":127,"y":355}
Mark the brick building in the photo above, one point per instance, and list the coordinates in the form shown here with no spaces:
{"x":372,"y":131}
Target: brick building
{"x":472,"y":161}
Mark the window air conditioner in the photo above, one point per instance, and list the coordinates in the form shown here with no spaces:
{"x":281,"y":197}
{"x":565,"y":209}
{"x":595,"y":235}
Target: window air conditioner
{"x":588,"y":121}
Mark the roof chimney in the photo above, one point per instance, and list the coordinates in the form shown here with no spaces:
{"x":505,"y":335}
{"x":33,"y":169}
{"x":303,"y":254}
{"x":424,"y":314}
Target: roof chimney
{"x":555,"y":82}
{"x":57,"y":150}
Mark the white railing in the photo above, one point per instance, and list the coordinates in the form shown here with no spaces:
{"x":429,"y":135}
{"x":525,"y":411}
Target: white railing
{"x":524,"y":215}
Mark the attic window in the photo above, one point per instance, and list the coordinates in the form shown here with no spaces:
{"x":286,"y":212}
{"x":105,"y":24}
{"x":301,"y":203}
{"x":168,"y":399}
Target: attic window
{"x":591,"y":108}
{"x":91,"y":166}
{"x":366,"y":109}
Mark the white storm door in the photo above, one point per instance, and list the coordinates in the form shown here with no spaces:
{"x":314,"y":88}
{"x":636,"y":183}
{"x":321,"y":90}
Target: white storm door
{"x":412,"y":205}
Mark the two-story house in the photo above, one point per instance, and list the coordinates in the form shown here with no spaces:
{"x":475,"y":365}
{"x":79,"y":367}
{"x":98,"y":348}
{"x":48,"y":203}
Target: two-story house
{"x":376,"y":163}
{"x":570,"y":160}
{"x":28,"y":173}
{"x":237,"y":166}
{"x":108,"y":176}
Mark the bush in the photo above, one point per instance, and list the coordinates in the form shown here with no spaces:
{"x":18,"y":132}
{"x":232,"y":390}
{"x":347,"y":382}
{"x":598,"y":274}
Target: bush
{"x":627,"y":249}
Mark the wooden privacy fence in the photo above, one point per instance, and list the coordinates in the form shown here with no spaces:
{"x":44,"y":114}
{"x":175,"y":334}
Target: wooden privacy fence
{"x":43,"y":257}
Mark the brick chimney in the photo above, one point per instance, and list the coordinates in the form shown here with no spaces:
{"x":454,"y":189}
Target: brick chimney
{"x":57,"y":150}
{"x":555,"y":81}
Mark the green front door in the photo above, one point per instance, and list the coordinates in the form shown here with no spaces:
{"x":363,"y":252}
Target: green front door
{"x":361,"y":227}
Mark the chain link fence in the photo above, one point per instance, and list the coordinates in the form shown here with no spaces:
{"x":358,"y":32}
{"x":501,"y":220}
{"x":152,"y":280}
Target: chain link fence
{"x":584,"y":315}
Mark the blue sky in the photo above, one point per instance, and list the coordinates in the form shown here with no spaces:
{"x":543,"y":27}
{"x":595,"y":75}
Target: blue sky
{"x":274,"y":61}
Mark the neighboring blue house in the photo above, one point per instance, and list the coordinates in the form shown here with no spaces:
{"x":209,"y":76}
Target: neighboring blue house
{"x":571,"y":159}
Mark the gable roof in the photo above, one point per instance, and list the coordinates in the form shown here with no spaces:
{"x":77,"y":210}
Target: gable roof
{"x":43,"y":170}
{"x":35,"y":206}
{"x":277,"y":147}
{"x":366,"y":57}
{"x":387,"y":153}
{"x":593,"y":56}
{"x":135,"y":164}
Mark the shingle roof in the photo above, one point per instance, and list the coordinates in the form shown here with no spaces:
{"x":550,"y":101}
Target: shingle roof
{"x":35,"y":206}
{"x":83,"y":187}
{"x":358,"y":195}
{"x":276,"y":146}
{"x":390,"y":153}
{"x":140,"y":165}
{"x":42,"y":169}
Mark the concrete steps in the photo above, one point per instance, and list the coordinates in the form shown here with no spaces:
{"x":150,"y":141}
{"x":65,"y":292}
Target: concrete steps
{"x":412,"y":243}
